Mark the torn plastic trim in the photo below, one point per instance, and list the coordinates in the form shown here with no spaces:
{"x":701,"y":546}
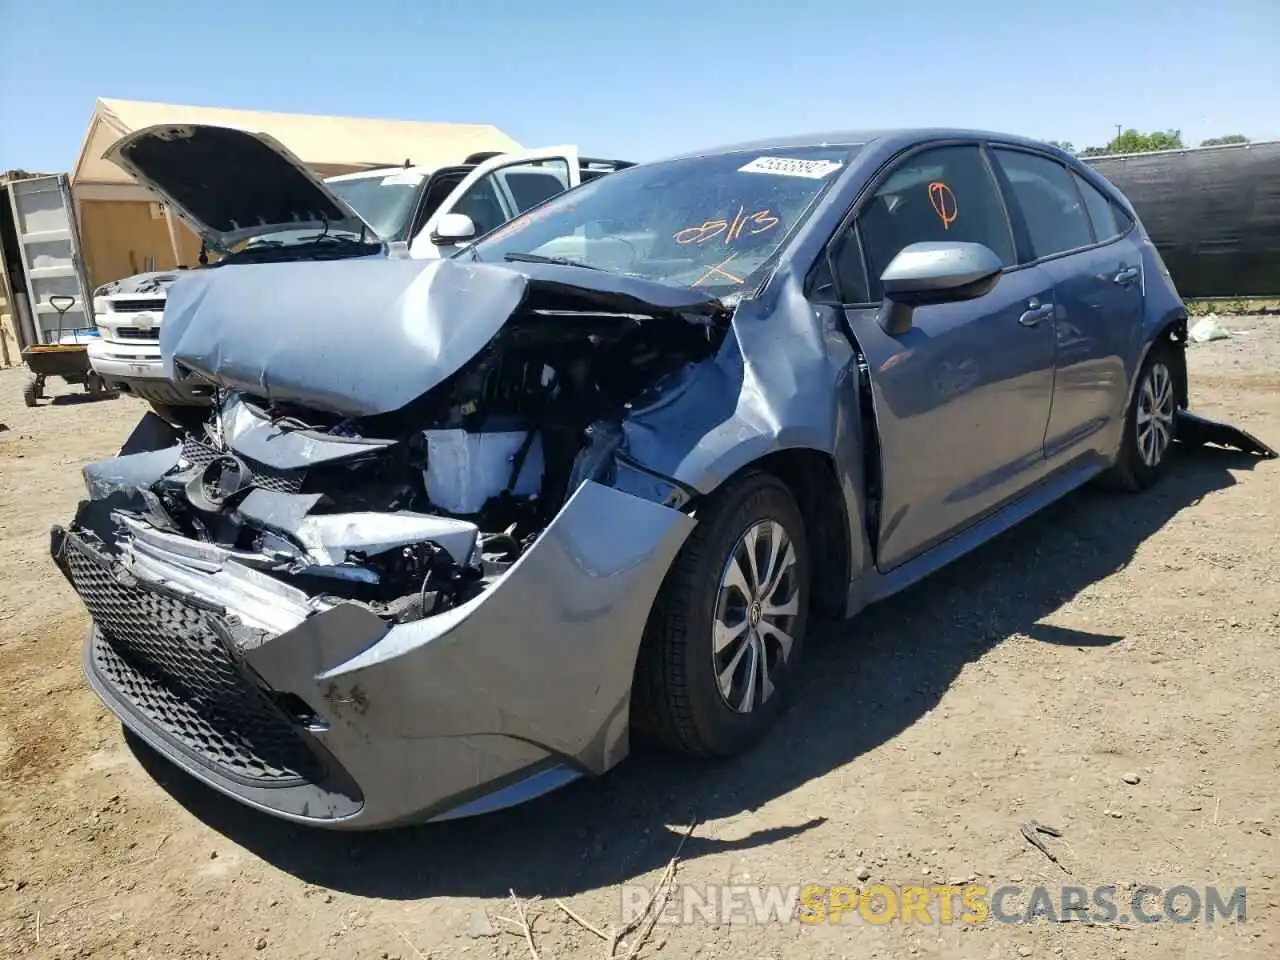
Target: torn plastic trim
{"x":129,"y":472}
{"x":251,"y":433}
{"x":1195,"y":430}
{"x":330,"y":537}
{"x":210,"y":574}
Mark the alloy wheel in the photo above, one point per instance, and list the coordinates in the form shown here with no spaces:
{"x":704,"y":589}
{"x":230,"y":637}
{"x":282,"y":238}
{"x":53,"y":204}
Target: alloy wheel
{"x":1155,"y":415}
{"x":756,"y":609}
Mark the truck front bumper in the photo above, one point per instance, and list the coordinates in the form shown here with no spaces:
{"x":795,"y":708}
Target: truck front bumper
{"x":138,"y":369}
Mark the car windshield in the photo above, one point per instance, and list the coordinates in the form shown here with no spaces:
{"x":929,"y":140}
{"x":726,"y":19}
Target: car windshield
{"x":385,"y":201}
{"x":710,"y":222}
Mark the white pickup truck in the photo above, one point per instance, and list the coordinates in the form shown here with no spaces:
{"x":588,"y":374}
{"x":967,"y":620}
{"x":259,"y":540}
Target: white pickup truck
{"x":251,"y":200}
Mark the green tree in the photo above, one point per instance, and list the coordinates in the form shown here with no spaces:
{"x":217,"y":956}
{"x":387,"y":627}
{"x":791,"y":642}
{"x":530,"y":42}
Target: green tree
{"x":1066,"y":145}
{"x":1223,"y":141}
{"x":1131,"y":141}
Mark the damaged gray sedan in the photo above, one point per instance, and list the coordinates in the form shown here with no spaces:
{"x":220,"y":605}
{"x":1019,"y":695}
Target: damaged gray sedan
{"x":454,"y":532}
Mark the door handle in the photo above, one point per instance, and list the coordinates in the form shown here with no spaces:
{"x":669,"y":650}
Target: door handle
{"x":1125,"y":275}
{"x":1036,"y":313}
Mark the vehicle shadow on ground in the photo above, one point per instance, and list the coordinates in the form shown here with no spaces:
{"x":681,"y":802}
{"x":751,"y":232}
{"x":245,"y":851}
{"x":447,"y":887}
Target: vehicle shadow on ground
{"x":865,"y":682}
{"x":75,"y":399}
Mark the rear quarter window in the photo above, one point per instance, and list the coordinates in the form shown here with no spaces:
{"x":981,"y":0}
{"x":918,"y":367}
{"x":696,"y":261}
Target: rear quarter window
{"x":1108,"y":221}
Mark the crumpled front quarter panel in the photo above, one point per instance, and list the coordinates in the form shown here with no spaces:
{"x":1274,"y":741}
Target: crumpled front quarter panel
{"x":783,"y":379}
{"x":546,"y":655}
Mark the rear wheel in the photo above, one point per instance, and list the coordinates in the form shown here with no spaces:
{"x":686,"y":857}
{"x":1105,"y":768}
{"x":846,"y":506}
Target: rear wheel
{"x":725,"y":635}
{"x":1149,"y":427}
{"x":32,"y":391}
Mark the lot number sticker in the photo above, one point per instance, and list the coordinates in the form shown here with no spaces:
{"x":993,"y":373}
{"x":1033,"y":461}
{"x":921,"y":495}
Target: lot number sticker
{"x":790,"y":167}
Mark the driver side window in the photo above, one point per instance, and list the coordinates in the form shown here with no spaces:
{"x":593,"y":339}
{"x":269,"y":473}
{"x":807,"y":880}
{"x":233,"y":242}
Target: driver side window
{"x":938,"y":194}
{"x":482,"y":205}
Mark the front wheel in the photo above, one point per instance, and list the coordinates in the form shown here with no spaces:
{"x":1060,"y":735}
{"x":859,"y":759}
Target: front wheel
{"x":723,"y":640}
{"x":1149,"y":426}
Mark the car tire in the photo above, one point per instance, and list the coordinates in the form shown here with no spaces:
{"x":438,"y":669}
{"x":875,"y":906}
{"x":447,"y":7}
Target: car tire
{"x":1151,"y":422}
{"x":710,"y":597}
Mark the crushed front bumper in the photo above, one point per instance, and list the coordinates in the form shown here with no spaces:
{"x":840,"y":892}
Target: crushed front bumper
{"x":339,"y":719}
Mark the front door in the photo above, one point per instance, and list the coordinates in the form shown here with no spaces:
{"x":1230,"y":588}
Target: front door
{"x":963,"y":398}
{"x":500,"y":189}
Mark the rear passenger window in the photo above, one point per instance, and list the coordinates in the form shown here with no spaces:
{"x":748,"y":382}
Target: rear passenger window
{"x":1050,"y":205}
{"x":1106,"y":223}
{"x":945,"y":193}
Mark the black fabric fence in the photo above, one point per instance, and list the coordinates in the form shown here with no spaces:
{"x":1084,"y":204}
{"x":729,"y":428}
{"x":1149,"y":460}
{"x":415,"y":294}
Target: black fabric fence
{"x":1213,"y":213}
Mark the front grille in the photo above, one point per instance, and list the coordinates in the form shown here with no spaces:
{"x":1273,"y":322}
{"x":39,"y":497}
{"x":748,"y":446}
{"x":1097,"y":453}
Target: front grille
{"x":138,"y":305}
{"x":136,"y":333}
{"x":163,"y":656}
{"x":261,"y":475}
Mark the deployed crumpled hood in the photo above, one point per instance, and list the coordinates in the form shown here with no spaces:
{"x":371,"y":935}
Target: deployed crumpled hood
{"x":231,"y":184}
{"x":367,"y":336}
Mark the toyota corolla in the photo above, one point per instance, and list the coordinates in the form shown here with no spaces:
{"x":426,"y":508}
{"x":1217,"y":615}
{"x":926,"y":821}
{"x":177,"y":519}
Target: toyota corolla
{"x":455,"y":532}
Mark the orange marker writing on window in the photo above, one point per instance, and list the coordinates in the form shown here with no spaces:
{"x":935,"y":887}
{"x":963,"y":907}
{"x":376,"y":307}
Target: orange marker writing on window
{"x":944,"y":203}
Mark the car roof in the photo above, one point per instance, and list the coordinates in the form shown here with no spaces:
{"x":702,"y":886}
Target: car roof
{"x":589,"y":163}
{"x":380,"y":172}
{"x":901,"y":137}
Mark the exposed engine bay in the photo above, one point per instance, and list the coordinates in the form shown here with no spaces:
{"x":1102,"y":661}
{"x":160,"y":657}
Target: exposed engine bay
{"x":414,"y":511}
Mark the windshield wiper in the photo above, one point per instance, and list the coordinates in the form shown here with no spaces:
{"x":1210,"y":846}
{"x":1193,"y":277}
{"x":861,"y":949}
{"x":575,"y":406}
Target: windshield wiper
{"x":332,"y":238}
{"x":538,"y":258}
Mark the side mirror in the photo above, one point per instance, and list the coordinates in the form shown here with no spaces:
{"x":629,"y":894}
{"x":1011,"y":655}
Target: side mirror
{"x":929,"y":273}
{"x":453,"y":228}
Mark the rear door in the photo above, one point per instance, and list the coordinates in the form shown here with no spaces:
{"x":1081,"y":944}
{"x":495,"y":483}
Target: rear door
{"x":1067,"y":227}
{"x":500,"y":189}
{"x":49,"y":246}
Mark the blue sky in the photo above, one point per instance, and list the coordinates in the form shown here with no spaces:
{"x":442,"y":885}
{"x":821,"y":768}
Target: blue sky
{"x":643,"y":78}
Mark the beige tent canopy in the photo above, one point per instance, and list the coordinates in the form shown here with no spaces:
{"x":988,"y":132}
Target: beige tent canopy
{"x":124,"y":230}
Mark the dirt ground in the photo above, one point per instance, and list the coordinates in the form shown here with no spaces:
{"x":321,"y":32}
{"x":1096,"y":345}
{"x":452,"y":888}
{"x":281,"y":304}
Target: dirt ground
{"x":1110,"y":639}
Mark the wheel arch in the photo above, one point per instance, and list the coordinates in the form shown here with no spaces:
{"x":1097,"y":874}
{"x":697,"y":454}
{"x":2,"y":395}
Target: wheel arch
{"x":814,"y":481}
{"x":1170,"y":330}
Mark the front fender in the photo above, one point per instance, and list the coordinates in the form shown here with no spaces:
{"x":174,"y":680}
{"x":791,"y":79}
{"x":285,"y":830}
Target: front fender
{"x":545,"y":656}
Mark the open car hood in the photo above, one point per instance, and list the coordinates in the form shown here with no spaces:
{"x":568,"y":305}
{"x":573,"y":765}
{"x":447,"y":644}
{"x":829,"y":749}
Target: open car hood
{"x":367,"y":336}
{"x":230,"y":184}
